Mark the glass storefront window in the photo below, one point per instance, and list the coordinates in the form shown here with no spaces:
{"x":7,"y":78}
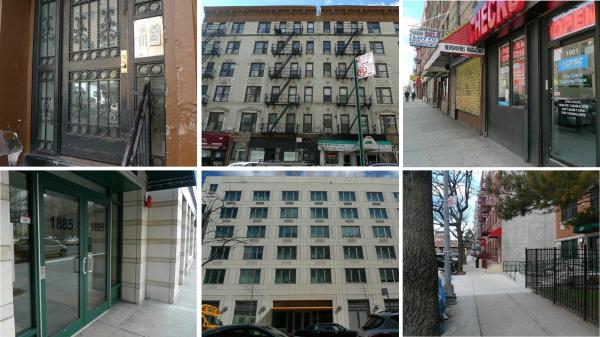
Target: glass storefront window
{"x":20,"y":217}
{"x":504,"y":75}
{"x":519,"y":88}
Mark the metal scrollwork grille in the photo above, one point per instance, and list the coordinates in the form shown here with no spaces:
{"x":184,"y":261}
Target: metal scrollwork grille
{"x":94,"y":103}
{"x":154,"y":73}
{"x":94,"y":29}
{"x":45,"y":116}
{"x":147,"y":6}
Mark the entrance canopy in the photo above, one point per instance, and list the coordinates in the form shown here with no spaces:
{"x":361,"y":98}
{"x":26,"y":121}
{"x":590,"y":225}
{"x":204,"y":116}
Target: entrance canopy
{"x":302,"y":305}
{"x":453,"y":45}
{"x":163,"y":180}
{"x":214,"y":141}
{"x":587,"y":228}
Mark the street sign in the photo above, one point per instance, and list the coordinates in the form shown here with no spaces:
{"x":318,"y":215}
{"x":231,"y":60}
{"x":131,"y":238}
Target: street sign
{"x":365,"y":65}
{"x":424,"y":38}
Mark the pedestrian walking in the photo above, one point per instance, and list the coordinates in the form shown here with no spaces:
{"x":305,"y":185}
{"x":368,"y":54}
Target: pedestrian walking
{"x":413,"y":95}
{"x":406,"y":94}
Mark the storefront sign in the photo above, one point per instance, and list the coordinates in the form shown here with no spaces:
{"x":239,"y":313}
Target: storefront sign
{"x":573,"y":63}
{"x":461,"y":49}
{"x":576,"y":19}
{"x":424,"y":38}
{"x":490,"y":15}
{"x":573,"y":108}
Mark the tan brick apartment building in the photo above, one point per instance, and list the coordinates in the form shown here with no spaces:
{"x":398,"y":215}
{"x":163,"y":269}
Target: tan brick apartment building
{"x":73,"y":74}
{"x":277,"y":84}
{"x":576,"y":237}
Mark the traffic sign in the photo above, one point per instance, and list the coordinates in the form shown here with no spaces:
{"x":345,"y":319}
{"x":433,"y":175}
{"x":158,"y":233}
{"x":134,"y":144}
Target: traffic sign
{"x":365,"y":65}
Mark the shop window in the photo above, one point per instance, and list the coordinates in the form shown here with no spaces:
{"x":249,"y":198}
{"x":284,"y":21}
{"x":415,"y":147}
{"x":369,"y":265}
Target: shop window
{"x":20,"y":218}
{"x":512,"y":88}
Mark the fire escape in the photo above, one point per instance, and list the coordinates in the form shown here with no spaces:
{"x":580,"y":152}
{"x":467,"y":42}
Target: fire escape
{"x":283,"y":49}
{"x":209,"y":32}
{"x":353,"y":48}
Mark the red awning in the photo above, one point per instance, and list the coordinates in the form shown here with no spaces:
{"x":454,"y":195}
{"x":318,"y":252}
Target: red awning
{"x":460,"y":36}
{"x":482,"y":242}
{"x":496,"y":233}
{"x":214,"y":141}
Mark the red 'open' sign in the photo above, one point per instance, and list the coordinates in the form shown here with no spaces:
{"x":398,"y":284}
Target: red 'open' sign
{"x":578,"y":18}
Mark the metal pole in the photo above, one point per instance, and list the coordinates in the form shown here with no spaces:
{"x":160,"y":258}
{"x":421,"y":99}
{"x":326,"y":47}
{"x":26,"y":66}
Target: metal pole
{"x":359,"y":119}
{"x":447,"y":267}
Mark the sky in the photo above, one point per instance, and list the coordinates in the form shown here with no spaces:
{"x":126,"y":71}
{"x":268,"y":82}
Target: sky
{"x":411,"y":14}
{"x":375,"y":174}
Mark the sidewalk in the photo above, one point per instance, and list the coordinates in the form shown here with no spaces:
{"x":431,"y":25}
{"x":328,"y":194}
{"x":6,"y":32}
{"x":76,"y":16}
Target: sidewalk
{"x":494,"y":305}
{"x":151,"y":318}
{"x":433,"y":139}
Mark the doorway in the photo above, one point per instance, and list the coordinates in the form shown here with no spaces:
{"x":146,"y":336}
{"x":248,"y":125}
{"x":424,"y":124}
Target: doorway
{"x":75,"y":266}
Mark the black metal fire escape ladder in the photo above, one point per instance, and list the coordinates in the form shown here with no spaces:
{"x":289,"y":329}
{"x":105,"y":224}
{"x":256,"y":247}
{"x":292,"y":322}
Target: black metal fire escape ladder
{"x":220,"y":31}
{"x":272,"y":127}
{"x":278,"y":71}
{"x":343,"y":52}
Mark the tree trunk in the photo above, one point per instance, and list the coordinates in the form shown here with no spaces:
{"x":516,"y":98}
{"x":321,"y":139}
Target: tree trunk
{"x":461,"y":250}
{"x":421,"y":313}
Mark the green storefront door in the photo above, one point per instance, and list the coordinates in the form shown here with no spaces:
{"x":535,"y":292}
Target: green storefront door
{"x":74,"y":268}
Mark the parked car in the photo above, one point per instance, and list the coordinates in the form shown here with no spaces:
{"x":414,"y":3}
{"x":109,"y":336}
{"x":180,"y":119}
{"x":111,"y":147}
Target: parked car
{"x":381,"y":324}
{"x":54,"y":248}
{"x":71,"y":240}
{"x":286,"y":163}
{"x":453,"y":261}
{"x":325,"y":330}
{"x":244,"y":163}
{"x":244,"y":330}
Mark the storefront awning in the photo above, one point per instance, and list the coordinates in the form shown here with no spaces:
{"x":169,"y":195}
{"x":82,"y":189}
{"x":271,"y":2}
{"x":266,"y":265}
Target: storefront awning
{"x":369,"y":144}
{"x":587,"y":228}
{"x":456,"y":43}
{"x":302,"y":305}
{"x":496,"y":233}
{"x":214,"y":141}
{"x":116,"y":181}
{"x":300,"y":308}
{"x":163,"y":180}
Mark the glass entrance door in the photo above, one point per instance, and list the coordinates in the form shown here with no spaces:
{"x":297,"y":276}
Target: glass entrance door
{"x":74,"y":268}
{"x":573,"y":102}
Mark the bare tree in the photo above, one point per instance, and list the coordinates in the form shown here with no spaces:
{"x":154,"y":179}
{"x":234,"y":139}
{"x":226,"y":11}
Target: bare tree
{"x":420,"y":308}
{"x":459,"y":186}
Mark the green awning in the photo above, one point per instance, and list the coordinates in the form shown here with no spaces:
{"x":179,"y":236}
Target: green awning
{"x":163,"y":180}
{"x":587,"y":228}
{"x":116,"y":181}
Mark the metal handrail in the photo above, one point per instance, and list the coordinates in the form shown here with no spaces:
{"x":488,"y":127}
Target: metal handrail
{"x":132,"y":150}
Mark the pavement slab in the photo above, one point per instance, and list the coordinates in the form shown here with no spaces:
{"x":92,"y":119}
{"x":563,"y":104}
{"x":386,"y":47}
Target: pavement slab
{"x":431,"y":138}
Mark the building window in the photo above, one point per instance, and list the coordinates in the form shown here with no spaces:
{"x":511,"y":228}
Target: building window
{"x":377,"y":47}
{"x":249,"y":276}
{"x":320,"y":276}
{"x":310,"y":27}
{"x":253,"y":253}
{"x":318,"y":213}
{"x":319,"y":253}
{"x":219,"y":253}
{"x":389,"y":124}
{"x":286,"y":253}
{"x":384,"y":95}
{"x":212,"y":188}
{"x":375,"y":196}
{"x":385,"y":252}
{"x":350,"y":232}
{"x":229,"y":212}
{"x":381,"y":70}
{"x":327,"y":69}
{"x":255,"y":232}
{"x":205,"y":96}
{"x":511,"y":73}
{"x":343,"y":93}
{"x":289,"y":196}
{"x":308,"y":93}
{"x":327,"y":99}
{"x":261,"y":196}
{"x":310,"y":47}
{"x":232,"y":196}
{"x":326,"y":27}
{"x":344,"y":119}
{"x":378,"y":213}
{"x":347,"y":196}
{"x":252,"y":94}
{"x":259,"y":212}
{"x":349,"y":213}
{"x":244,"y":312}
{"x":389,"y":275}
{"x":373,"y":27}
{"x":308,"y":72}
{"x":227,"y":69}
{"x":356,"y":275}
{"x":319,"y":232}
{"x":307,"y":126}
{"x":288,"y":231}
{"x":382,"y":232}
{"x":327,"y":119}
{"x":396,"y":196}
{"x":257,"y":69}
{"x":569,"y":212}
{"x":233,"y":47}
{"x":288,"y":213}
{"x":318,"y":195}
{"x":326,"y":47}
{"x":285,"y":276}
{"x":353,"y":253}
{"x":214,"y":276}
{"x":396,"y":27}
{"x":223,"y":232}
{"x":260,"y":47}
{"x":237,"y":28}
{"x":264,"y":27}
{"x":215,"y":121}
{"x":222,"y":93}
{"x":248,"y":122}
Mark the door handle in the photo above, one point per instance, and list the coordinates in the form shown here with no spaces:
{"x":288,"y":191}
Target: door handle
{"x":84,"y":264}
{"x":123,"y":61}
{"x":91,"y":264}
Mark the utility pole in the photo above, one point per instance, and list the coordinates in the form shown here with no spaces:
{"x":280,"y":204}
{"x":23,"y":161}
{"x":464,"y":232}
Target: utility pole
{"x":358,"y":116}
{"x":450,"y":296}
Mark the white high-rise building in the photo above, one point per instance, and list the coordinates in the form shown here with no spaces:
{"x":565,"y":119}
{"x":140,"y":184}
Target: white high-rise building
{"x":293,"y":251}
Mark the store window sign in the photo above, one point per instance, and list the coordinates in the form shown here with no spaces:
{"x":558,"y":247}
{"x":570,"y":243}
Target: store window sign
{"x":573,"y":63}
{"x":576,"y":19}
{"x":490,"y":15}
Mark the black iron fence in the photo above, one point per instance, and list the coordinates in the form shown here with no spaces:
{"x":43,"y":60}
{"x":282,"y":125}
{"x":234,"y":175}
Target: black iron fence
{"x":512,"y":268}
{"x":568,"y":277}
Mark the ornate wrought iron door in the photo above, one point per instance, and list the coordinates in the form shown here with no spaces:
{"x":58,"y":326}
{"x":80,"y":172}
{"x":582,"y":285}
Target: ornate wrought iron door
{"x":94,"y":119}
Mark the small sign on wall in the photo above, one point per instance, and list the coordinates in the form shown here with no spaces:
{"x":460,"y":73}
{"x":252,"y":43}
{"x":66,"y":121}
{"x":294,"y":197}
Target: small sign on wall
{"x":148,"y":36}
